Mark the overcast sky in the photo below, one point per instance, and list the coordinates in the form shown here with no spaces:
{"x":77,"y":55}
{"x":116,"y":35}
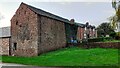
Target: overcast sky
{"x":93,"y":12}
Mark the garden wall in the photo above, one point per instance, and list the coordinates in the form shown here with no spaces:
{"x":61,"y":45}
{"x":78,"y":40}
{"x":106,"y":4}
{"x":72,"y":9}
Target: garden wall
{"x":4,"y":46}
{"x":102,"y":45}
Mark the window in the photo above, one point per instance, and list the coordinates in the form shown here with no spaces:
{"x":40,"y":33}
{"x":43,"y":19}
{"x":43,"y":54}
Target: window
{"x":16,"y":22}
{"x":15,"y":46}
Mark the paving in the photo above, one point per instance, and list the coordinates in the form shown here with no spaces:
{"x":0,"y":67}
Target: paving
{"x":13,"y":65}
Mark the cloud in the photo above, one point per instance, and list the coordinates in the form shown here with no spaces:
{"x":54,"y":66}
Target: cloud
{"x":109,"y":12}
{"x":64,"y":3}
{"x":56,"y":0}
{"x":89,"y":3}
{"x":1,"y":16}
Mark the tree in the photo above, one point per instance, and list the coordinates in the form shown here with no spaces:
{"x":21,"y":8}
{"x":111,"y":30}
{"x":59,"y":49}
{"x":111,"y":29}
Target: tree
{"x":113,"y":21}
{"x":114,"y":4}
{"x":104,"y":29}
{"x":116,"y":18}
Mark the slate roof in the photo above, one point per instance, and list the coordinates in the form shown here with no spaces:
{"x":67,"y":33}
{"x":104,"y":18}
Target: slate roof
{"x":81,"y":25}
{"x":47,"y":14}
{"x":50,"y":15}
{"x":90,"y":26}
{"x":5,"y":32}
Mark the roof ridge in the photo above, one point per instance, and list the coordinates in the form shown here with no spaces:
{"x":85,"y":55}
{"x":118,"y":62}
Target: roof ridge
{"x":45,"y":13}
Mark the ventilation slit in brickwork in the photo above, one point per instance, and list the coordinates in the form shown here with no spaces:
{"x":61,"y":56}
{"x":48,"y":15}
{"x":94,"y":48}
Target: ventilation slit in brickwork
{"x":16,"y":22}
{"x":15,"y":46}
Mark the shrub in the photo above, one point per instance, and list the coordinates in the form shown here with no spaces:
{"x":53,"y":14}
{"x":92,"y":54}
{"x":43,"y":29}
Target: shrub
{"x":99,"y":39}
{"x":113,"y":35}
{"x":95,"y":39}
{"x":107,"y":38}
{"x":117,"y":36}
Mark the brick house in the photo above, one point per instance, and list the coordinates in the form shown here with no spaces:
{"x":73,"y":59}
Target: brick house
{"x":5,"y":37}
{"x":34,"y":31}
{"x":80,"y":31}
{"x":86,"y":30}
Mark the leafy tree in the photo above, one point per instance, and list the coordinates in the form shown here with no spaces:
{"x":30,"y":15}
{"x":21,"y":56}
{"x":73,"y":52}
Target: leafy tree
{"x":114,"y":4}
{"x":116,"y":18}
{"x":113,"y":21}
{"x":113,"y":35}
{"x":104,"y":29}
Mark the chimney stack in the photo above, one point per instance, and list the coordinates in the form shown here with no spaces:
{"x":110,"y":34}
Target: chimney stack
{"x":72,"y":21}
{"x":87,"y":23}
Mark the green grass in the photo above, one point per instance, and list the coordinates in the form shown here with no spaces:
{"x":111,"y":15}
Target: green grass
{"x":73,"y":56}
{"x":0,"y":58}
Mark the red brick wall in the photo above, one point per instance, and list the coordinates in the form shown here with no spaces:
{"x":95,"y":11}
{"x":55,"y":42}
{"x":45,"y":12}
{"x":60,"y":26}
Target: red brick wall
{"x":35,"y":34}
{"x":52,"y":34}
{"x":4,"y":46}
{"x":24,"y":32}
{"x":80,"y":33}
{"x":102,"y":45}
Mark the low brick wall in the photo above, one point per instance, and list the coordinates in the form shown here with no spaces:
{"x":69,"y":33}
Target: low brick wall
{"x":102,"y":45}
{"x":4,"y":46}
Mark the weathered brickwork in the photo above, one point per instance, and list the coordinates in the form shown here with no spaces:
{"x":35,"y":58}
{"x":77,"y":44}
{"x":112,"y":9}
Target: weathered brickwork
{"x":34,"y":31}
{"x":52,"y":34}
{"x":80,"y":33}
{"x":33,"y":34}
{"x":24,"y":32}
{"x":102,"y":45}
{"x":4,"y":46}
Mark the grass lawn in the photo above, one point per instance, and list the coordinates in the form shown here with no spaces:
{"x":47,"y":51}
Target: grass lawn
{"x":0,"y":58}
{"x":73,"y":56}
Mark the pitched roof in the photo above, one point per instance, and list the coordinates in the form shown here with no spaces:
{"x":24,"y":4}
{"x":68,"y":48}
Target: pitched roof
{"x":81,"y":25}
{"x":5,"y":32}
{"x":50,"y":15}
{"x":47,"y":14}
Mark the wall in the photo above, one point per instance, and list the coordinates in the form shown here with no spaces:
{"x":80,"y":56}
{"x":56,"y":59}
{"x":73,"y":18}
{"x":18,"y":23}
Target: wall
{"x":51,"y":34}
{"x":24,"y":32}
{"x":80,"y":33}
{"x":4,"y":46}
{"x":102,"y":45}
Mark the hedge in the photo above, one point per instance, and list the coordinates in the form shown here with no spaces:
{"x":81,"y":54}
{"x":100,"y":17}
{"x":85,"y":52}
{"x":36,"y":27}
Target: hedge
{"x":100,"y":39}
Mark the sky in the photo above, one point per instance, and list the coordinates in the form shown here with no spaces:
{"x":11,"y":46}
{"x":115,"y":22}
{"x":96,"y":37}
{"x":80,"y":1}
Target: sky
{"x":93,"y":12}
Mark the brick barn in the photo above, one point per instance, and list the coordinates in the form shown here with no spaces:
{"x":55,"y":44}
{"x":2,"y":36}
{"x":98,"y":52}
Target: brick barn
{"x":35,"y":31}
{"x":5,"y":37}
